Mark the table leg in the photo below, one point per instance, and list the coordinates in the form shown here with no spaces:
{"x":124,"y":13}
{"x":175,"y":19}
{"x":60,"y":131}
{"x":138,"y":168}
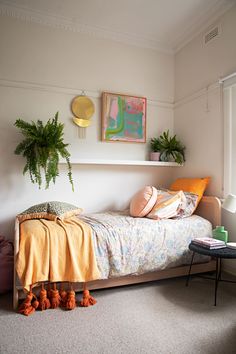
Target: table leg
{"x":189,"y":272}
{"x":219,"y":278}
{"x":216,"y":279}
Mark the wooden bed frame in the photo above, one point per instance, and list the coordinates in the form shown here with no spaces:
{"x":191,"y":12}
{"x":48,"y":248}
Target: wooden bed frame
{"x":209,"y":208}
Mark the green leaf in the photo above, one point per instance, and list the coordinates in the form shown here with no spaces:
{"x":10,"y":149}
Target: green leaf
{"x":170,"y":148}
{"x":41,"y":147}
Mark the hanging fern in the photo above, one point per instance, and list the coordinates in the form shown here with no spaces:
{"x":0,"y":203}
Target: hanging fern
{"x":42,"y":146}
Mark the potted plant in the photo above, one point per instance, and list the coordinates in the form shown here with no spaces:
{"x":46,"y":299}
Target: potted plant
{"x":170,"y":148}
{"x":155,"y":149}
{"x":42,"y":146}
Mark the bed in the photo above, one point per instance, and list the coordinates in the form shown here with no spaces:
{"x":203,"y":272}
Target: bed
{"x":135,"y":250}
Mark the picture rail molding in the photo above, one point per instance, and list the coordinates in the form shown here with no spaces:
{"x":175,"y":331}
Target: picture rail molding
{"x":27,"y":85}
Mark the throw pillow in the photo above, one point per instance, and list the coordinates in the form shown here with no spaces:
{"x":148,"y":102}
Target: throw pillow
{"x":192,"y":185}
{"x":167,"y":205}
{"x":143,"y":201}
{"x":50,"y":211}
{"x":190,"y":206}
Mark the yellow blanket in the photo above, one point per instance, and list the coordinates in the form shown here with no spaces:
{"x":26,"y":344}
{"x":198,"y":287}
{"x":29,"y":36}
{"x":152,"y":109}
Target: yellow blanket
{"x":56,"y":251}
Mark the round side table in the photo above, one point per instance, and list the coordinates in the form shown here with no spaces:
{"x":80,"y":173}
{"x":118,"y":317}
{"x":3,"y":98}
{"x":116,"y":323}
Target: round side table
{"x":218,"y":254}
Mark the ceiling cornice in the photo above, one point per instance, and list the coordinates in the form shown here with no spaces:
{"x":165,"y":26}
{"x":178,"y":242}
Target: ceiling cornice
{"x":43,"y":18}
{"x":35,"y":16}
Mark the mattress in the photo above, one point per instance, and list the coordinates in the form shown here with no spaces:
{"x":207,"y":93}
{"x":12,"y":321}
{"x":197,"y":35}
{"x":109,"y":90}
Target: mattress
{"x":125,"y":245}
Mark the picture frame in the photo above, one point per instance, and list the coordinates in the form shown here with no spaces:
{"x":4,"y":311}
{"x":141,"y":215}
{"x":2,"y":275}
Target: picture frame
{"x":123,"y":118}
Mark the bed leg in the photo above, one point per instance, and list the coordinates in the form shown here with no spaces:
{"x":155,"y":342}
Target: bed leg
{"x":16,"y":250}
{"x":15,"y":297}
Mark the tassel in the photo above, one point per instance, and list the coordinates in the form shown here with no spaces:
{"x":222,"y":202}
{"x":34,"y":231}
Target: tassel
{"x":35,"y":303}
{"x":55,"y":297}
{"x":71,"y":302}
{"x":49,"y":290}
{"x":63,"y":295}
{"x":87,"y":300}
{"x":26,"y":308}
{"x":29,"y":305}
{"x":29,"y":311}
{"x":44,"y":302}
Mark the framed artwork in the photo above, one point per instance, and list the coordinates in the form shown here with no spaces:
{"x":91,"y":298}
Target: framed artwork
{"x":123,"y":118}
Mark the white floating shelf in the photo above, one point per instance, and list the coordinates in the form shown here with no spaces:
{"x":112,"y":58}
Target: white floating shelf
{"x":122,"y":162}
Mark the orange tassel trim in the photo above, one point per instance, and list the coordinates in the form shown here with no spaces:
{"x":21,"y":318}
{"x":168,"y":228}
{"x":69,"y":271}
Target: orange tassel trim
{"x":87,"y":300}
{"x":44,"y":302}
{"x":63,"y":295}
{"x":49,"y":290}
{"x":71,"y":302}
{"x":29,"y":305}
{"x":64,"y":299}
{"x":54,"y":297}
{"x":35,"y":303}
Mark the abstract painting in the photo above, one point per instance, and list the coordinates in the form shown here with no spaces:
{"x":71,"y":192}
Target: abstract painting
{"x":123,"y":118}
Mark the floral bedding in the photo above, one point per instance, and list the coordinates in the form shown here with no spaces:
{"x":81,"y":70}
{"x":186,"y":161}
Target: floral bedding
{"x":125,"y":245}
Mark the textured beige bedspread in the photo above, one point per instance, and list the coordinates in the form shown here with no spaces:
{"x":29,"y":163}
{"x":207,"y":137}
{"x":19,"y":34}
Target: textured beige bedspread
{"x":56,"y":251}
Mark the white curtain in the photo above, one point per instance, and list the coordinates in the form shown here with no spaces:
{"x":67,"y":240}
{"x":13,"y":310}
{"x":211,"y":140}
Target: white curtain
{"x":229,"y":104}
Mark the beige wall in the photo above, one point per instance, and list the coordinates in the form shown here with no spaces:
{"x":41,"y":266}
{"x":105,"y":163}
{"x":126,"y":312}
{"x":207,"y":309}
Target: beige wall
{"x":198,"y":65}
{"x":198,"y":111}
{"x":41,"y":70}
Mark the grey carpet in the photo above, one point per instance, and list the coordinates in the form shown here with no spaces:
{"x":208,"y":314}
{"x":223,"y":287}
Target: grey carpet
{"x":161,"y":317}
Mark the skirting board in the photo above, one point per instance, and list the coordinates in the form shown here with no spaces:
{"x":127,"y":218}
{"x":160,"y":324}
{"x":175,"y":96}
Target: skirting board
{"x":136,"y":279}
{"x":230,"y":269}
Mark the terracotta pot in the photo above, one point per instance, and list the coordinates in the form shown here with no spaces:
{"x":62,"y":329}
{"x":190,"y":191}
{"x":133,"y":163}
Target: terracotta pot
{"x":154,"y":156}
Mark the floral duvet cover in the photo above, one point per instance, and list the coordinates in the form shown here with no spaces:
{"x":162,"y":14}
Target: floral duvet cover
{"x":125,"y":245}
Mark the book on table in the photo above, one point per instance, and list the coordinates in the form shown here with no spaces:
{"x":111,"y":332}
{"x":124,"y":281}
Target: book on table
{"x":231,"y":245}
{"x":209,"y":242}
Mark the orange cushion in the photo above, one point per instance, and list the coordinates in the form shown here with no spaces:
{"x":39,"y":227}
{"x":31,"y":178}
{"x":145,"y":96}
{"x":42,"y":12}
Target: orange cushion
{"x":193,"y":185}
{"x":143,"y":201}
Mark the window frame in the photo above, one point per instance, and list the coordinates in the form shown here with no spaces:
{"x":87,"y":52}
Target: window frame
{"x":227,"y":99}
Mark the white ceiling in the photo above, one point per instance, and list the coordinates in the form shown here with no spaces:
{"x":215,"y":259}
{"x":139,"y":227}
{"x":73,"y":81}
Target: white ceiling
{"x":160,"y":24}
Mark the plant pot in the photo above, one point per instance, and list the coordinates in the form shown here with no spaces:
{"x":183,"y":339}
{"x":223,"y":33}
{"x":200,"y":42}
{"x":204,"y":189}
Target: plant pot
{"x":154,"y":156}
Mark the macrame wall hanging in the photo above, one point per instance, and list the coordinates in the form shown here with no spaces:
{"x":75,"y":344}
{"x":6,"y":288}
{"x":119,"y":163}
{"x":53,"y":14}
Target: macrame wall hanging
{"x":83,"y":109}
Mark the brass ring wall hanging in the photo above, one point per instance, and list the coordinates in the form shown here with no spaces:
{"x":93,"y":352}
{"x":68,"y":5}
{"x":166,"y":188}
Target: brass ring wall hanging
{"x":83,"y":109}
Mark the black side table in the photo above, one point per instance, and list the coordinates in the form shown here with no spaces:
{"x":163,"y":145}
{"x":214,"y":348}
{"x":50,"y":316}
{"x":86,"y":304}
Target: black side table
{"x":219,"y":254}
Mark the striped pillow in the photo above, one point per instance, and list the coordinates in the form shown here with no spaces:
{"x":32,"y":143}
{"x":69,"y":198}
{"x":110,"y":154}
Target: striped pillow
{"x":168,"y":204}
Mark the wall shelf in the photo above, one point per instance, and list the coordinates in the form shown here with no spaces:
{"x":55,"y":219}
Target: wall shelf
{"x":121,"y":162}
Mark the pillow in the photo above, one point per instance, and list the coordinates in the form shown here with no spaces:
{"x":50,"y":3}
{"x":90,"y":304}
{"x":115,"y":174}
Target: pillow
{"x":143,"y":201}
{"x":50,"y":211}
{"x":167,"y":205}
{"x":192,"y":185}
{"x":190,"y":206}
